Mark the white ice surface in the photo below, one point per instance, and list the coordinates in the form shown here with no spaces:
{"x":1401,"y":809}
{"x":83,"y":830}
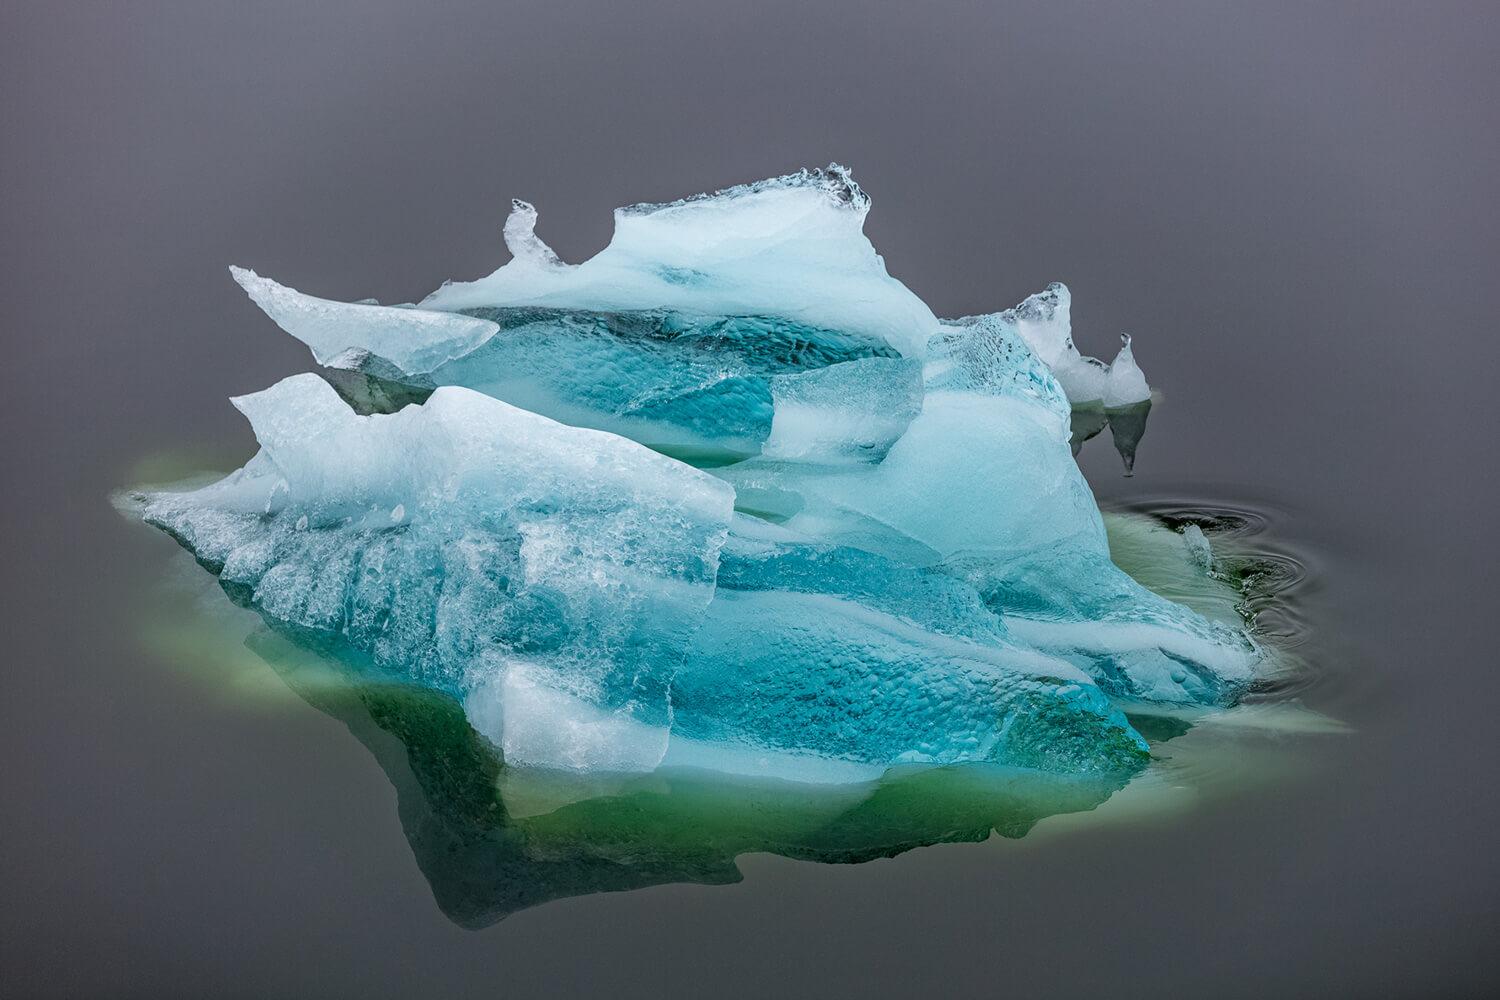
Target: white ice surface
{"x":792,"y":247}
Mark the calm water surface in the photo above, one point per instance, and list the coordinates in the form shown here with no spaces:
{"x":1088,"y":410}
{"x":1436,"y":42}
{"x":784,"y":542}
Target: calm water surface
{"x":1293,"y":211}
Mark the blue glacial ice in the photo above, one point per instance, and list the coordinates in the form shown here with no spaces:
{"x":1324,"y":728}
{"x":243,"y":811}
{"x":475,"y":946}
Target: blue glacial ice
{"x":726,"y":494}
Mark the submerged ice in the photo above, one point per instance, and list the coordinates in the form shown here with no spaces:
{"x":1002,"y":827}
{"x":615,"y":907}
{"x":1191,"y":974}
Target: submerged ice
{"x":726,"y":494}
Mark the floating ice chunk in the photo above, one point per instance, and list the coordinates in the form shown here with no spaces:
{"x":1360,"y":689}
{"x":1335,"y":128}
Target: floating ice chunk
{"x":521,"y":238}
{"x":417,"y":340}
{"x":925,"y":578}
{"x":565,"y":564}
{"x":1199,"y":551}
{"x":1126,"y":385}
{"x":791,"y":247}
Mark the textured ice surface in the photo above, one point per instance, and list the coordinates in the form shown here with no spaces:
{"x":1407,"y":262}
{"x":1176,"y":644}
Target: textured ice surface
{"x":894,"y":665}
{"x":917,"y":571}
{"x":565,"y":584}
{"x":477,"y":548}
{"x":672,"y":335}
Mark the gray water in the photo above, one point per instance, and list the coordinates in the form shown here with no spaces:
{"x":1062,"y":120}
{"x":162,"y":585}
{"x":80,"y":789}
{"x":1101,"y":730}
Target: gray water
{"x":1293,"y":209}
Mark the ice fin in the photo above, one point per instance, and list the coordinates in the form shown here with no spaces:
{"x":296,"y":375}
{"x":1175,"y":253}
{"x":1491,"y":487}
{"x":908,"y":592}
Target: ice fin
{"x":416,"y":340}
{"x":1126,"y":384}
{"x":521,"y":238}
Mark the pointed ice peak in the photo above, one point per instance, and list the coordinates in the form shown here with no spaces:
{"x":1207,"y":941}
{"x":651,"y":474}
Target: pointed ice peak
{"x":1126,"y":384}
{"x":1044,"y":321}
{"x":521,"y":238}
{"x":1051,"y":304}
{"x":416,"y":340}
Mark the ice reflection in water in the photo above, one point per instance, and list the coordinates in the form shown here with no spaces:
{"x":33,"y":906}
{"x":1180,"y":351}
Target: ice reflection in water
{"x":1127,"y":425}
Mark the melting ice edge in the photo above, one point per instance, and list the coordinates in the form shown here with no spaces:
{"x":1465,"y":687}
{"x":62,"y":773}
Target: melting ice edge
{"x":724,"y":495}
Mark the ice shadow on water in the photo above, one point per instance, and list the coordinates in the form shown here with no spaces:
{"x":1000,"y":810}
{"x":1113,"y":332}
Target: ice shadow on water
{"x":492,"y":841}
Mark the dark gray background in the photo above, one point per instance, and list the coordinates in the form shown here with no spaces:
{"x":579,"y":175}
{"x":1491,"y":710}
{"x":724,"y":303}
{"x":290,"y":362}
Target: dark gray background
{"x":1293,"y":206}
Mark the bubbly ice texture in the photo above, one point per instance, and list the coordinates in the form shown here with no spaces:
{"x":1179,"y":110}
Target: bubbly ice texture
{"x":566,"y":584}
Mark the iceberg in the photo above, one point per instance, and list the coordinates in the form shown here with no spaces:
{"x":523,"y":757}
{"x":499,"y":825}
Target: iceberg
{"x":726,"y":495}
